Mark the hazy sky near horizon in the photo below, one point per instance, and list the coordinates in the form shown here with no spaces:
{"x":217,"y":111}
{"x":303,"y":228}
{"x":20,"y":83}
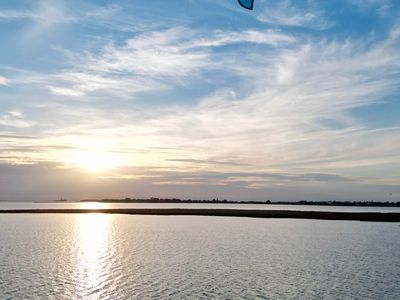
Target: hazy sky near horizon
{"x":200,"y":99}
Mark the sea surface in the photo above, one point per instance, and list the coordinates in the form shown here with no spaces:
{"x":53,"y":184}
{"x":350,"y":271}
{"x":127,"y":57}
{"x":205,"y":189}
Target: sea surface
{"x":98,"y":205}
{"x":100,"y":256}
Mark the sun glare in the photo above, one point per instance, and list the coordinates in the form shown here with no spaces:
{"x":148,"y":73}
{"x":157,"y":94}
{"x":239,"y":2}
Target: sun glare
{"x":93,"y":254}
{"x":94,"y":161}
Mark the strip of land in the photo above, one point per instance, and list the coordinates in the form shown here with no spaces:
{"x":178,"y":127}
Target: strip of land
{"x":280,"y":214}
{"x":267,"y":202}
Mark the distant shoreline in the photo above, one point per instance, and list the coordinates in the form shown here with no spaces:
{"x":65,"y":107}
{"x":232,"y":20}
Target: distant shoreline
{"x":280,"y":214}
{"x":267,"y":202}
{"x":217,"y":201}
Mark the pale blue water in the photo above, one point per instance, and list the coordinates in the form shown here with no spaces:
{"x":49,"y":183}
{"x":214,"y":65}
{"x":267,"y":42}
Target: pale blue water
{"x":55,"y":205}
{"x":99,"y":256}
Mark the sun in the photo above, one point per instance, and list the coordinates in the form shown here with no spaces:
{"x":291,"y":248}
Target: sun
{"x":94,"y":161}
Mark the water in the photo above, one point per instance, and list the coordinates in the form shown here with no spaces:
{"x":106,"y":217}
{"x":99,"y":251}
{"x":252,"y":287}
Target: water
{"x":96,"y":205}
{"x":99,"y":256}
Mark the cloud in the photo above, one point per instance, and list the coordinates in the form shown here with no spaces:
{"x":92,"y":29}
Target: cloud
{"x":13,"y":137}
{"x":243,"y":178}
{"x":3,"y":81}
{"x":65,"y":91}
{"x":14,"y":119}
{"x":222,"y":38}
{"x":43,"y":17}
{"x":10,"y":15}
{"x":153,"y":61}
{"x":370,"y":4}
{"x":382,"y":8}
{"x":255,"y":109}
{"x":205,"y":162}
{"x":286,"y":13}
{"x":297,"y":120}
{"x":47,"y":15}
{"x":297,"y":115}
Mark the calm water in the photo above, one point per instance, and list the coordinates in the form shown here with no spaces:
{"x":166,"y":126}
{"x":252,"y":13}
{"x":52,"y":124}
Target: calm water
{"x":98,"y":256}
{"x":32,"y":205}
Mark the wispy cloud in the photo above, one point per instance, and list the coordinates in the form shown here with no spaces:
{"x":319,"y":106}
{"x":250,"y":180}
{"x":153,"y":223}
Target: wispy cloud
{"x":3,"y":81}
{"x":153,"y":61}
{"x":287,"y":13}
{"x":14,"y":119}
{"x":296,"y":116}
{"x":45,"y":16}
{"x":381,"y":7}
{"x":210,"y":108}
{"x":290,"y":122}
{"x":370,"y":4}
{"x":10,"y":15}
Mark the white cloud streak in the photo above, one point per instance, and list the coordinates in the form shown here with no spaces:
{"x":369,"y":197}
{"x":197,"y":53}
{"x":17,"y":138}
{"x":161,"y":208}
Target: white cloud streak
{"x":291,"y":117}
{"x":286,"y":13}
{"x":3,"y":81}
{"x":10,"y":15}
{"x":153,"y":61}
{"x":14,"y":119}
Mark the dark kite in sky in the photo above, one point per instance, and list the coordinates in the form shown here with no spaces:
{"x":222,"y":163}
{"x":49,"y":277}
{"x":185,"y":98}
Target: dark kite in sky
{"x":247,"y":3}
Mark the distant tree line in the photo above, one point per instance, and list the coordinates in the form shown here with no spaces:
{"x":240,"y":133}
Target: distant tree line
{"x":224,"y":201}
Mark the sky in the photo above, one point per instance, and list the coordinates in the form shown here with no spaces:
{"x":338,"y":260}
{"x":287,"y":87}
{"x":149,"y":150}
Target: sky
{"x":199,"y":99}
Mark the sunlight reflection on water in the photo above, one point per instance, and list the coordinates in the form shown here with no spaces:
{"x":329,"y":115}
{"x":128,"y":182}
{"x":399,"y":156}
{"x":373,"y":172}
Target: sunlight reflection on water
{"x":93,"y":254}
{"x":93,"y":205}
{"x":100,"y":256}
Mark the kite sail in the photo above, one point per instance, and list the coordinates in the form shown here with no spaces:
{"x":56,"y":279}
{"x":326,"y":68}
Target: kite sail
{"x":247,"y":3}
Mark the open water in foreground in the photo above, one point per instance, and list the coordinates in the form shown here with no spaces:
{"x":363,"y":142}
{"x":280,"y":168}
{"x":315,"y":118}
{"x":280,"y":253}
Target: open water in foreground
{"x":100,"y":256}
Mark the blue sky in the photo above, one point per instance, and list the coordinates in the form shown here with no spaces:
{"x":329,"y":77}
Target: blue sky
{"x":200,"y":99}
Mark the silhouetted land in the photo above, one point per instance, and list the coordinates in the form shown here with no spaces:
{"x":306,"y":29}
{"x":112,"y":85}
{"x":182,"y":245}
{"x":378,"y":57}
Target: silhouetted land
{"x":267,"y":202}
{"x":285,"y":214}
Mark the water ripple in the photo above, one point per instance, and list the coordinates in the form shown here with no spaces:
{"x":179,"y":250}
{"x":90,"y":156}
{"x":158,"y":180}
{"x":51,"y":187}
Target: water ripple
{"x":151,"y":257}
